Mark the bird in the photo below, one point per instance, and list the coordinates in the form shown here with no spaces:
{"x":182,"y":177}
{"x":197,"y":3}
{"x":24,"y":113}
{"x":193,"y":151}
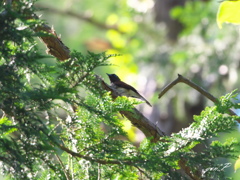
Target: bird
{"x":125,"y":89}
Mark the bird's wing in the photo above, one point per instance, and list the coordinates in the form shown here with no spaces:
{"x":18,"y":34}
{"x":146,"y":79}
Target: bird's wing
{"x":127,"y":90}
{"x":125,"y":85}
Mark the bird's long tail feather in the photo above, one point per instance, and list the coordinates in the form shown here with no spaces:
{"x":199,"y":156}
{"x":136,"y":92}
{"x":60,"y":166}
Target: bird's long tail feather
{"x":146,"y":101}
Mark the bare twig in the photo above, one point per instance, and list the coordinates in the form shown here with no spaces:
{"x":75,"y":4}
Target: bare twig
{"x":191,"y":84}
{"x":194,"y":86}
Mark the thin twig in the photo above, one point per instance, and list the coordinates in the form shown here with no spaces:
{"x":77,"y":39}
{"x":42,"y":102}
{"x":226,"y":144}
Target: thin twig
{"x":191,"y":84}
{"x":100,"y":161}
{"x":63,"y":168}
{"x":141,"y":171}
{"x":194,"y":86}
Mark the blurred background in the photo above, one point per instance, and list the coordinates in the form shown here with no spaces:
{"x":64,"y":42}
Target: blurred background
{"x":156,"y":40}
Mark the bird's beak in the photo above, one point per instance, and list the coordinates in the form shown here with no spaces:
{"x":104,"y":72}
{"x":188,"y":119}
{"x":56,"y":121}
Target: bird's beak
{"x":108,"y":74}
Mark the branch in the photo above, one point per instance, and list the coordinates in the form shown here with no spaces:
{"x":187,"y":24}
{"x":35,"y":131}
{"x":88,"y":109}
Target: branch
{"x":100,"y":161}
{"x":191,"y":84}
{"x":187,"y":170}
{"x":194,"y":86}
{"x":63,"y":168}
{"x":79,"y":16}
{"x":54,"y":44}
{"x":182,"y":163}
{"x":141,"y":171}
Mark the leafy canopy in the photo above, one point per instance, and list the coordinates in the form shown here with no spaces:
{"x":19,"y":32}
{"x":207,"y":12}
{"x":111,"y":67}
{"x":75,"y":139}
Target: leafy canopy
{"x":58,"y":123}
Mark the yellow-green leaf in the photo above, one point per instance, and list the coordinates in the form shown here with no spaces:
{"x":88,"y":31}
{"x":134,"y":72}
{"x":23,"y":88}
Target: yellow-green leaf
{"x":127,"y":127}
{"x":237,"y":164}
{"x":228,"y":12}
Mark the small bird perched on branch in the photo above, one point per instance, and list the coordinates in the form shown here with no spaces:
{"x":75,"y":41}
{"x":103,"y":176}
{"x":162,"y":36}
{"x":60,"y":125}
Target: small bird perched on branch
{"x":124,"y":89}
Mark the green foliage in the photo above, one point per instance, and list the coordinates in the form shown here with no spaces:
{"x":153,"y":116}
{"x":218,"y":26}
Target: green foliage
{"x":47,"y":107}
{"x":31,"y":94}
{"x":191,"y":15}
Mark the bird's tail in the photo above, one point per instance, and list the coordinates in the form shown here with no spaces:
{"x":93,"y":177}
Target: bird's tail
{"x":146,"y":101}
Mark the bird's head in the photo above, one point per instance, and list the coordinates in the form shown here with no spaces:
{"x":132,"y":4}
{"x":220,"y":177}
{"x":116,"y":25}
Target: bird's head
{"x":113,"y":77}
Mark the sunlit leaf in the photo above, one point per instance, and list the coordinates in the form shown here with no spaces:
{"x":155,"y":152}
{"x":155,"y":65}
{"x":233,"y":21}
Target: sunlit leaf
{"x":228,"y":12}
{"x":127,"y":127}
{"x":128,"y":27}
{"x":112,"y":19}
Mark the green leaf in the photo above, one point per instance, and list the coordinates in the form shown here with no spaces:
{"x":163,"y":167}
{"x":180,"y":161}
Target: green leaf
{"x":228,"y":12}
{"x":6,"y":127}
